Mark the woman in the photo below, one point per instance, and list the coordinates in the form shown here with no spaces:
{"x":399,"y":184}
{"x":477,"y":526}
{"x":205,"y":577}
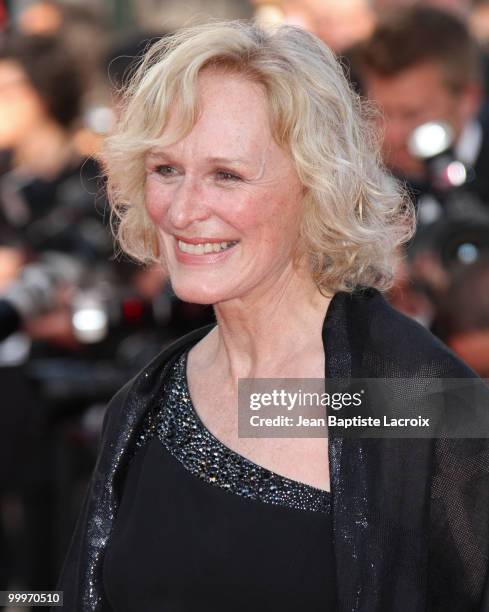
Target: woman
{"x":242,"y":163}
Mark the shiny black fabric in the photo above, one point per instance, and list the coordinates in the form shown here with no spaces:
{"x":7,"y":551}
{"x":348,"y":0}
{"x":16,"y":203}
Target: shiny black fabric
{"x":196,"y":547}
{"x":410,"y":516}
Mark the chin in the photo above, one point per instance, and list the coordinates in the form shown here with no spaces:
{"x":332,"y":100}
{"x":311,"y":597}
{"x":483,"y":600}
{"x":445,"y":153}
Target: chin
{"x":196,"y":295}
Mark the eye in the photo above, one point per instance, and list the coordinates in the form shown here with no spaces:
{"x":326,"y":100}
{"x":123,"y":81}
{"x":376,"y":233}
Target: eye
{"x":223,"y":175}
{"x":165,"y":170}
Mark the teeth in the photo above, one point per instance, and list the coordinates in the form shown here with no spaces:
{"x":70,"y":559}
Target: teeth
{"x":206,"y":247}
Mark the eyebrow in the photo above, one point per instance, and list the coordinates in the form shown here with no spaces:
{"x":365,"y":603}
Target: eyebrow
{"x":215,"y":160}
{"x":227,"y":160}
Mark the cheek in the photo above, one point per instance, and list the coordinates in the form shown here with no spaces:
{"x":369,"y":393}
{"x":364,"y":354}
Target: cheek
{"x":281,"y":224}
{"x":156,"y":201}
{"x":245,"y":218}
{"x":278,"y":208}
{"x":242,"y":209}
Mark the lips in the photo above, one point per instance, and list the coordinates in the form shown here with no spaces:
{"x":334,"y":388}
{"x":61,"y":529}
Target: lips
{"x":205,"y":247}
{"x":202,"y":249}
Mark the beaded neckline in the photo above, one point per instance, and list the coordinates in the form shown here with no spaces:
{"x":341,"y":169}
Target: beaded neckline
{"x":178,"y":426}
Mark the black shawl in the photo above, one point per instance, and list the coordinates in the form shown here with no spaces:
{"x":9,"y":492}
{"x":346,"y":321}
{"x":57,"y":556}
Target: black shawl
{"x":410,"y":516}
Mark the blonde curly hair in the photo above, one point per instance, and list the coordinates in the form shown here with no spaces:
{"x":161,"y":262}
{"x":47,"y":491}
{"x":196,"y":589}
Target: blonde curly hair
{"x":355,"y":215}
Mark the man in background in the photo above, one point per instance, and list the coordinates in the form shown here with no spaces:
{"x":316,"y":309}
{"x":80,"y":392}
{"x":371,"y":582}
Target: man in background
{"x":421,"y":65}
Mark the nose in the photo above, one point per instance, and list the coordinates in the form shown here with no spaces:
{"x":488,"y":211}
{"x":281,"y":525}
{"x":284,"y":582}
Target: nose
{"x":188,"y":203}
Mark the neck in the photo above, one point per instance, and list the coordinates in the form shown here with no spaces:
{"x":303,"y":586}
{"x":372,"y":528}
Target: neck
{"x":45,"y":152}
{"x":264,"y":335}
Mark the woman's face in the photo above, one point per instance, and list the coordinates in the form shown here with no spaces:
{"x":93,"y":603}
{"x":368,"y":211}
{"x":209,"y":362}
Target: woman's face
{"x":227,"y":181}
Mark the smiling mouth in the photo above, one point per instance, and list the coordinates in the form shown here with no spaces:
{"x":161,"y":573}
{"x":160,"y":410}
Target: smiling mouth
{"x":203,"y":248}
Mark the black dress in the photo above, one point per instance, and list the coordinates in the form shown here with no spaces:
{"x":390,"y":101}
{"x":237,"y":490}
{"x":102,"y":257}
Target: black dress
{"x":410,"y":517}
{"x":200,"y":527}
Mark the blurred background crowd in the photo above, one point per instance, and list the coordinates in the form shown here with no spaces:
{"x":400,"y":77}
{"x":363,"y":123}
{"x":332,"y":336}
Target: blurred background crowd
{"x":77,"y":321}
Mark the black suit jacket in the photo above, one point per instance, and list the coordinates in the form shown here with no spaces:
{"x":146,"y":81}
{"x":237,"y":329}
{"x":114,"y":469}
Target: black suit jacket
{"x":410,"y":516}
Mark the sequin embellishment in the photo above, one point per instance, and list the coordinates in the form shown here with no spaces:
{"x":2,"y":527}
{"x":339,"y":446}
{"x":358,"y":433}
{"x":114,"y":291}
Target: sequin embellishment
{"x":183,"y":434}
